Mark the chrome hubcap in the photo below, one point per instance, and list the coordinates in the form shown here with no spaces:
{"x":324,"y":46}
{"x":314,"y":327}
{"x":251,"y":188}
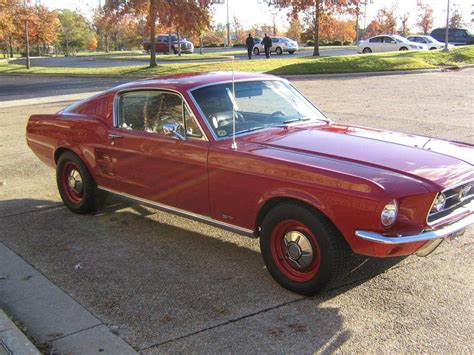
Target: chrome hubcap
{"x":298,"y":249}
{"x":74,"y":181}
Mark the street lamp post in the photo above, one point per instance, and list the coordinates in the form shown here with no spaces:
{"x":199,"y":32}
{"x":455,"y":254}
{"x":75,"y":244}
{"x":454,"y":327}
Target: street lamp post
{"x":446,"y":48}
{"x":228,"y":24}
{"x":27,"y":40}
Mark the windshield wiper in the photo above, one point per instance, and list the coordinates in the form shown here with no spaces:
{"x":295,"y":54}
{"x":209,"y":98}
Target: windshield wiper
{"x":250,"y":129}
{"x":300,"y":119}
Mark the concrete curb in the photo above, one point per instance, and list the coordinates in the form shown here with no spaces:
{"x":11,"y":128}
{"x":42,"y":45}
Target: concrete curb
{"x":289,"y":76}
{"x":52,"y":316}
{"x":12,"y":339}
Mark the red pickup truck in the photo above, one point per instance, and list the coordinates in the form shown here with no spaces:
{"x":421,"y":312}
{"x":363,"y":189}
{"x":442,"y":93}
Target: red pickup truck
{"x":162,"y":44}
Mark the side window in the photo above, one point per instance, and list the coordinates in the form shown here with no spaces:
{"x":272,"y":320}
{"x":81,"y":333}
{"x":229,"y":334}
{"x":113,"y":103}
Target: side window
{"x":192,"y":129}
{"x":461,"y":33}
{"x":275,"y":40}
{"x":389,"y":40}
{"x":376,"y":40}
{"x":153,"y":112}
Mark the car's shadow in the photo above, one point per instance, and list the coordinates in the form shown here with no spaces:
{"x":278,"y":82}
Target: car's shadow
{"x":160,"y":279}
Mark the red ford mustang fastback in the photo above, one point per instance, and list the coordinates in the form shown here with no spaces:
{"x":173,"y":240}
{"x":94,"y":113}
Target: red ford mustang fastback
{"x":259,"y":159}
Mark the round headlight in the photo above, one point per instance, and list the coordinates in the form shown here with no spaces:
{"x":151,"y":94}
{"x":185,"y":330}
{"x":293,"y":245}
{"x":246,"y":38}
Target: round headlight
{"x":389,"y":213}
{"x":438,"y":203}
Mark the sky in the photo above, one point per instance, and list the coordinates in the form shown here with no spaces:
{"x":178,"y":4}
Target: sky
{"x":257,"y":12}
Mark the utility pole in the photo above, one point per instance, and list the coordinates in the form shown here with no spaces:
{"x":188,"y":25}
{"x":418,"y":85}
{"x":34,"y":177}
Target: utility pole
{"x":228,"y":24}
{"x":446,"y":48}
{"x":274,"y":23}
{"x":27,"y":40}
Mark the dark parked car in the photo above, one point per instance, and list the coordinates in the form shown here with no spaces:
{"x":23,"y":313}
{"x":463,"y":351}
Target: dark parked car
{"x":456,"y":36}
{"x":162,"y":45}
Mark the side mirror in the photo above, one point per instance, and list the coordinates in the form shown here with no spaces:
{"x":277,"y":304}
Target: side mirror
{"x":174,"y":130}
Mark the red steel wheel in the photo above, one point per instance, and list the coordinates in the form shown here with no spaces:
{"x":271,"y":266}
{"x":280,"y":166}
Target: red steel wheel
{"x":295,"y":250}
{"x":76,"y":185}
{"x":73,"y":182}
{"x":302,"y":249}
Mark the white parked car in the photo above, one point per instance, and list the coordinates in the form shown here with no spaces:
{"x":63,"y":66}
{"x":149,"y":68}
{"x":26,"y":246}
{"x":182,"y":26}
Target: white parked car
{"x":431,"y":42}
{"x":388,"y":43}
{"x":279,"y":45}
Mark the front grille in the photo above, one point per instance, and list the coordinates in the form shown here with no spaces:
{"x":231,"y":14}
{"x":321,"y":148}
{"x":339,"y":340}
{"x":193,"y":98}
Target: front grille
{"x":455,"y":198}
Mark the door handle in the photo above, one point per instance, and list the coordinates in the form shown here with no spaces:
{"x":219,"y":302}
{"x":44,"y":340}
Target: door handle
{"x":114,"y":136}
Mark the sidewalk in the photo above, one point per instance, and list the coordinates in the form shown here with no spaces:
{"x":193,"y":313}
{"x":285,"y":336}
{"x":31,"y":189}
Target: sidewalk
{"x":49,"y":314}
{"x":12,"y":340}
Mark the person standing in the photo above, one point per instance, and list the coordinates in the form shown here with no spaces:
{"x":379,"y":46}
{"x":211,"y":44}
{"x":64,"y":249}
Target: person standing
{"x":267,"y":45}
{"x":250,"y":43}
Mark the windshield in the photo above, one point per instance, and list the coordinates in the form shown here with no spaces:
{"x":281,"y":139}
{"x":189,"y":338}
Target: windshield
{"x":400,"y":39}
{"x":430,"y":39}
{"x":258,"y":105}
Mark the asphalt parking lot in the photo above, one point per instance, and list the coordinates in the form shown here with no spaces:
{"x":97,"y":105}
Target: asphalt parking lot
{"x":165,"y":284}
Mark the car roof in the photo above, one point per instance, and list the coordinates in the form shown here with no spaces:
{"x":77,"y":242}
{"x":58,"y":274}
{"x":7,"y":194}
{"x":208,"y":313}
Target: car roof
{"x":188,"y":81}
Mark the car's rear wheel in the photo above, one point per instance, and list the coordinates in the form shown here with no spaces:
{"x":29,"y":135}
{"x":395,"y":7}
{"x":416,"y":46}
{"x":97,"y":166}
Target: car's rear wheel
{"x":256,"y":51}
{"x":367,"y":50}
{"x":404,"y":49}
{"x":433,"y":48}
{"x":76,"y":186}
{"x":302,"y":250}
{"x":279,"y":51}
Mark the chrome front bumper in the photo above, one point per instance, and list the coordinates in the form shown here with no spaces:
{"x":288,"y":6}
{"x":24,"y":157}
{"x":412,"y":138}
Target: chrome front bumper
{"x":443,"y":232}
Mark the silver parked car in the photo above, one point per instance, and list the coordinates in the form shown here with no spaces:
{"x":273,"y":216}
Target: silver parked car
{"x":431,"y":42}
{"x":279,"y":45}
{"x":389,"y":43}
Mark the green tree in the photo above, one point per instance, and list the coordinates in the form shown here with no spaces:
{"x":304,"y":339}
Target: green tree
{"x":75,"y":31}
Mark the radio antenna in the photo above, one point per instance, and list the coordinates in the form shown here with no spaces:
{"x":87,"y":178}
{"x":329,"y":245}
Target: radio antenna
{"x":234,"y":143}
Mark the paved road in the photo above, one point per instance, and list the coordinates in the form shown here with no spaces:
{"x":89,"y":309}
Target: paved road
{"x":166,"y":284}
{"x":104,"y":62}
{"x":26,"y":87}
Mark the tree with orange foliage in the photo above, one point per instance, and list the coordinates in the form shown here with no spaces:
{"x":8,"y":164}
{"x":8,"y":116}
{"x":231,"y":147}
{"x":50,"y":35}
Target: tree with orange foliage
{"x":317,"y":7}
{"x":188,"y":16}
{"x":384,"y":23}
{"x":45,"y":25}
{"x":374,"y":28}
{"x":9,"y":24}
{"x":425,"y":18}
{"x":295,"y":29}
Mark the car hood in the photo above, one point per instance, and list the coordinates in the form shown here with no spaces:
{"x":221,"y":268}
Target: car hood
{"x":434,"y":161}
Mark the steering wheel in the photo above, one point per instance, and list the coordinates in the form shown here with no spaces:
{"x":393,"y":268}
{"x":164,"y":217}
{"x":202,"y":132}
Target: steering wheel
{"x":220,"y":120}
{"x":277,"y":113}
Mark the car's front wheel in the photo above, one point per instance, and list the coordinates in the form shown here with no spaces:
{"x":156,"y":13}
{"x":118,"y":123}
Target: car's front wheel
{"x":76,"y":186}
{"x":404,"y":49}
{"x":302,"y":250}
{"x":279,"y":51}
{"x":291,"y":52}
{"x":256,"y":51}
{"x":367,"y":50}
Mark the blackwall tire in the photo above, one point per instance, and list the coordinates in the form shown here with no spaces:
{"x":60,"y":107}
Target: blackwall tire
{"x":76,"y":186}
{"x":303,"y":251}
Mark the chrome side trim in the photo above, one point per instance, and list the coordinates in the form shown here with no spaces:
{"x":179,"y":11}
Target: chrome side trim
{"x":443,"y":232}
{"x":183,"y":213}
